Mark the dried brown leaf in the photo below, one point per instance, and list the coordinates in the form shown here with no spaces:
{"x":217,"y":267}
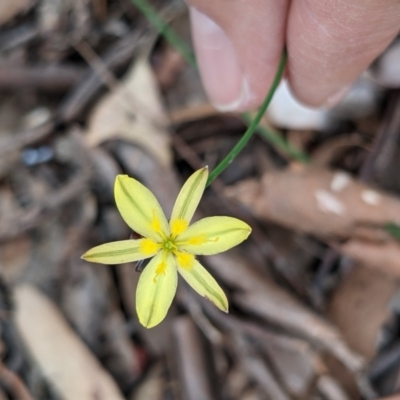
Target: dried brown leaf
{"x":64,"y":360}
{"x":259,"y":295}
{"x":317,"y":201}
{"x":359,"y":307}
{"x":133,"y":112}
{"x":332,"y":205}
{"x":382,"y":256}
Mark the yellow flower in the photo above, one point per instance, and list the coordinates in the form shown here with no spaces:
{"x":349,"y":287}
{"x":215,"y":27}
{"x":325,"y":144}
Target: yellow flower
{"x":173,"y":245}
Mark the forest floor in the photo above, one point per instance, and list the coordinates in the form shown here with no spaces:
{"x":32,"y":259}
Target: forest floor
{"x":89,"y":90}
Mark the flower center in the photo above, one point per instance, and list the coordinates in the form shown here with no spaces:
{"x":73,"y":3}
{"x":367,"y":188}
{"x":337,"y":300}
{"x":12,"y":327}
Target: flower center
{"x":169,"y":244}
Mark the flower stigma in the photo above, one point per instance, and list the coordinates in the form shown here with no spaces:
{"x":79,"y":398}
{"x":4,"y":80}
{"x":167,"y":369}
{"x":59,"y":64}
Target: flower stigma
{"x":169,"y":245}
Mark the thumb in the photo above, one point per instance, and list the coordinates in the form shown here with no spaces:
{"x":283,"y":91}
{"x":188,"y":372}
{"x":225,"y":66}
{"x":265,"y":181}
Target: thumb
{"x":238,"y":46}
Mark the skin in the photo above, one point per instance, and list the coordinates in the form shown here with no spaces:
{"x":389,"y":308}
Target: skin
{"x":238,"y":45}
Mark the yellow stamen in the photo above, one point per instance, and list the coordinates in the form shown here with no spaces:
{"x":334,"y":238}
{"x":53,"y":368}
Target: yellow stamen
{"x":178,"y":226}
{"x":148,"y":246}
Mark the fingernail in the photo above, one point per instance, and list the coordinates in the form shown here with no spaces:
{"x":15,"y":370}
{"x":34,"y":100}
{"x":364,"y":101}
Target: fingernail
{"x":336,"y":97}
{"x":219,"y":64}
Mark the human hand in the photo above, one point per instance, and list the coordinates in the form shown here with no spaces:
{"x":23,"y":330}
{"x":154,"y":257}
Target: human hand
{"x":330,"y":42}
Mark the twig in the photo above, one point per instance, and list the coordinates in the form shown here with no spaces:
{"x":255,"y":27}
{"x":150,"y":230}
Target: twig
{"x":96,"y":63}
{"x":14,"y":383}
{"x":260,"y":296}
{"x":259,"y":370}
{"x":90,"y":83}
{"x":33,"y":217}
{"x":187,"y":299}
{"x":24,"y":138}
{"x":384,"y":145}
{"x":192,"y":364}
{"x":129,"y":101}
{"x":383,"y":362}
{"x":16,"y":224}
{"x":51,"y":78}
{"x":18,"y":36}
{"x":330,"y":389}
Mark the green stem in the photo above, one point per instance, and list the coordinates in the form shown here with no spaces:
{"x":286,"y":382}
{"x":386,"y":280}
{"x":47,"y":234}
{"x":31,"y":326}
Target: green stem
{"x":393,"y":229}
{"x":165,"y":30}
{"x":253,"y":125}
{"x":279,"y":142}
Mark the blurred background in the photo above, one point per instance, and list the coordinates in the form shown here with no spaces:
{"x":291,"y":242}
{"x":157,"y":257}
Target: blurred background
{"x":89,"y":90}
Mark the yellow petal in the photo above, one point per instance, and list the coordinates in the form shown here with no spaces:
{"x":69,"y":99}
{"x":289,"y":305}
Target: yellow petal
{"x":140,"y":209}
{"x":156,"y":289}
{"x":188,"y":200}
{"x":122,"y":252}
{"x":213,"y":235}
{"x":204,"y":284}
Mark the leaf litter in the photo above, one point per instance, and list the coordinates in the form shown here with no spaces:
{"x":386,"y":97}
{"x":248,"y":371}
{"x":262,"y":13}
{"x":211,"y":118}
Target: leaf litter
{"x":313,"y":293}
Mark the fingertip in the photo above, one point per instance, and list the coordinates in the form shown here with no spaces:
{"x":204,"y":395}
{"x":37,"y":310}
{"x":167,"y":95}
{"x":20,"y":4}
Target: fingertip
{"x":218,"y":62}
{"x":237,"y":64}
{"x":326,"y":100}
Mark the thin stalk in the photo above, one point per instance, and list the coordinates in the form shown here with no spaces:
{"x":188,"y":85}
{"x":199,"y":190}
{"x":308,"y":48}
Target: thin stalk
{"x":165,"y":30}
{"x":253,"y":125}
{"x":279,"y":141}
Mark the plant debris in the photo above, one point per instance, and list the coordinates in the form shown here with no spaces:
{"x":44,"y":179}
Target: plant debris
{"x":89,"y":91}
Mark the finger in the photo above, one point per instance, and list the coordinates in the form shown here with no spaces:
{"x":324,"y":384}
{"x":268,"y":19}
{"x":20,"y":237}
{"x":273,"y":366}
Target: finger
{"x":238,"y":45}
{"x":330,"y":42}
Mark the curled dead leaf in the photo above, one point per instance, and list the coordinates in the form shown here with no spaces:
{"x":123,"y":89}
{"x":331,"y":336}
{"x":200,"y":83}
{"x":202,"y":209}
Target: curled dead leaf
{"x":312,"y":201}
{"x":64,"y":360}
{"x":331,"y":205}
